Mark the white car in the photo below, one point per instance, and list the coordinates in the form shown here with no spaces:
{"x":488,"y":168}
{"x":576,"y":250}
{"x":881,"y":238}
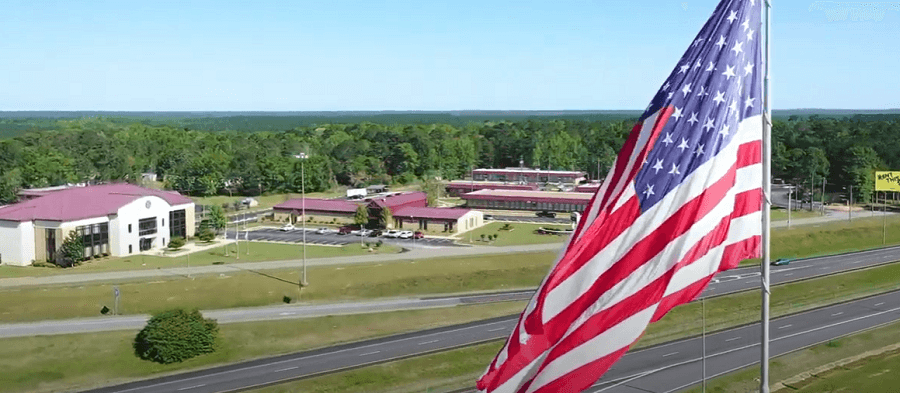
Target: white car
{"x":406,"y":235}
{"x":393,"y":233}
{"x":364,"y":232}
{"x":288,"y":227}
{"x":356,"y":232}
{"x":325,"y":231}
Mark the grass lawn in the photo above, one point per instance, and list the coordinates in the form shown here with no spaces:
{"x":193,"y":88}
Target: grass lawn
{"x":327,"y":283}
{"x":259,"y":251}
{"x":781,"y":214}
{"x":83,"y":361}
{"x":877,"y":374}
{"x":518,"y":234}
{"x":265,"y":201}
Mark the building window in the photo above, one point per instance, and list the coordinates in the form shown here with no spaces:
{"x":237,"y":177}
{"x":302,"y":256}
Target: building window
{"x":95,"y":239}
{"x":129,"y":248}
{"x":129,"y":228}
{"x":177,"y":226}
{"x":50,"y":239}
{"x":146,"y":226}
{"x":164,"y":222}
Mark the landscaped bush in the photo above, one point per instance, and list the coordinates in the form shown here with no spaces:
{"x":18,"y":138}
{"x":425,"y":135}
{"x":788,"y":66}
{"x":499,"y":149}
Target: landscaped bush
{"x":176,"y":242}
{"x":176,"y":335}
{"x":206,"y":235}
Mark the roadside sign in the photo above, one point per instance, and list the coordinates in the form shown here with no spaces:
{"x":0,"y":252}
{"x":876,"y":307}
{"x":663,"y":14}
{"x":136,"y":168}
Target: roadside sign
{"x":116,"y":291}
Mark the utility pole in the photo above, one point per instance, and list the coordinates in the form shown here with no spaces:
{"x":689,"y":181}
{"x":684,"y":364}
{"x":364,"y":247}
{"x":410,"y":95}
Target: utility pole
{"x":850,"y":205}
{"x":790,"y":191}
{"x":823,"y":195}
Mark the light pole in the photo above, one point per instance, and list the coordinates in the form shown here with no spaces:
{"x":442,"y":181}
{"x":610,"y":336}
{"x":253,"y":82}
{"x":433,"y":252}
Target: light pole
{"x":790,"y":191}
{"x":303,"y":157}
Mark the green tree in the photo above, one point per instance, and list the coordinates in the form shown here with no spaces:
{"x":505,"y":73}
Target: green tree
{"x":71,"y":251}
{"x":206,"y":235}
{"x":860,"y":171}
{"x":387,"y":218}
{"x":10,"y":183}
{"x":361,"y":217}
{"x":176,"y":335}
{"x":217,"y":217}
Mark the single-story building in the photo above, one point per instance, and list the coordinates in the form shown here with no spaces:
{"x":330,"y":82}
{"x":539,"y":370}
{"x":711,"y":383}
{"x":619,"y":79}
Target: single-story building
{"x":528,"y":175}
{"x":376,"y":188}
{"x":408,"y":209}
{"x":528,"y":200}
{"x":112,"y":219}
{"x":337,"y":211}
{"x":588,"y":187}
{"x":456,"y":188}
{"x":437,"y":219}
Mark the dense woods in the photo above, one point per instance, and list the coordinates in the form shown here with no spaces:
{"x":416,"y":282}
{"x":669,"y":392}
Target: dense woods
{"x":842,"y":150}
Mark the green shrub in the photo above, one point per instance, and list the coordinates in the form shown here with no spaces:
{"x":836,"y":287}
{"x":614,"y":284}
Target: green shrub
{"x":176,"y":335}
{"x":206,"y":235}
{"x":176,"y":242}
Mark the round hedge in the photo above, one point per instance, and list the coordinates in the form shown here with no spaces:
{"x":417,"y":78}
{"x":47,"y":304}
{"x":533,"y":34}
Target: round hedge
{"x":176,"y":335}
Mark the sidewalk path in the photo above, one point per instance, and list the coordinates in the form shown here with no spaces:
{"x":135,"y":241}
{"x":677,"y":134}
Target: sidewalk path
{"x":418,"y":253}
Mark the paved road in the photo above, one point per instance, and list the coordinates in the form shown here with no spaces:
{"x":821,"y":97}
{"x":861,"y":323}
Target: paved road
{"x":296,"y":236}
{"x":732,"y":281}
{"x":664,"y":368}
{"x":533,"y":220}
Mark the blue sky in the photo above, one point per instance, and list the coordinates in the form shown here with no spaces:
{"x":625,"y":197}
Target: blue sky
{"x":410,"y":55}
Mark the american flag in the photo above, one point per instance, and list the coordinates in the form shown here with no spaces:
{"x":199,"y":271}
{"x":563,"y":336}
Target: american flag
{"x":681,"y":203}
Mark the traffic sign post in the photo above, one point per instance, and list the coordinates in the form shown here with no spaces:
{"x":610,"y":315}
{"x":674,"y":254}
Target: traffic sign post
{"x":116,"y":306}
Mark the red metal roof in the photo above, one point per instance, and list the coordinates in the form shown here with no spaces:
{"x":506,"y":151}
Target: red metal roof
{"x":436,"y":213}
{"x":401,"y":200}
{"x":79,"y":203}
{"x":315,"y":204}
{"x":490,"y":186}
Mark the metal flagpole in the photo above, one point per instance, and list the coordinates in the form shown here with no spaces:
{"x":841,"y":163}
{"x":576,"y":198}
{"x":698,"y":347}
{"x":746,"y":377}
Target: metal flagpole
{"x":767,"y":187}
{"x":703,"y":317}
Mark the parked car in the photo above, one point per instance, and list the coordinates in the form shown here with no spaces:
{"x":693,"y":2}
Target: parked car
{"x":547,"y":214}
{"x":781,"y":262}
{"x":345,"y":230}
{"x":406,"y":235}
{"x":288,"y":227}
{"x":418,"y":235}
{"x":375,"y":233}
{"x":363,"y":232}
{"x":393,"y":233}
{"x":325,"y":231}
{"x":488,"y":216}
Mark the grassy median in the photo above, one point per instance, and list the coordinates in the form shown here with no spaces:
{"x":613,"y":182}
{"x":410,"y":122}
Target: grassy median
{"x":258,"y":252}
{"x":83,"y":361}
{"x":269,"y":287}
{"x":512,"y":234}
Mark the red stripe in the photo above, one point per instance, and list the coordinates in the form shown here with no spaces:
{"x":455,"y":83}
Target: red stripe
{"x":639,"y":254}
{"x":732,"y":256}
{"x":583,"y":377}
{"x":747,"y":202}
{"x":605,"y":320}
{"x":749,"y":153}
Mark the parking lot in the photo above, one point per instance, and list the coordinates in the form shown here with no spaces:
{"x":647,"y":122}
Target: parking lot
{"x":296,"y":236}
{"x":532,"y":219}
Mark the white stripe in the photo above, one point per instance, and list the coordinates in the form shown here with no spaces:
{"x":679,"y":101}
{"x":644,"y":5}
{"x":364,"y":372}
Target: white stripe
{"x":601,"y":345}
{"x":695,"y":184}
{"x":741,"y":228}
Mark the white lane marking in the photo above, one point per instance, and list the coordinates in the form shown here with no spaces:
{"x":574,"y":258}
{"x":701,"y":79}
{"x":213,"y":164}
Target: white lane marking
{"x":192,"y":387}
{"x":429,"y":342}
{"x":826,"y":268}
{"x":732,"y":339}
{"x":786,"y":326}
{"x":789,"y":274}
{"x":287,"y":313}
{"x":879,"y":304}
{"x":496,"y":329}
{"x":669,"y":354}
{"x":751,"y":282}
{"x":289,"y":368}
{"x":855,"y":262}
{"x":836,"y":314}
{"x":369,"y":353}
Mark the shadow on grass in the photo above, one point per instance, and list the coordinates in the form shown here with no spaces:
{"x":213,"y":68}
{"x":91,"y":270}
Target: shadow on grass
{"x":265,"y":275}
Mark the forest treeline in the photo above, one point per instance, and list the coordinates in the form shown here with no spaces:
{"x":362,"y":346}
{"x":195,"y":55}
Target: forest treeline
{"x":843,"y":151}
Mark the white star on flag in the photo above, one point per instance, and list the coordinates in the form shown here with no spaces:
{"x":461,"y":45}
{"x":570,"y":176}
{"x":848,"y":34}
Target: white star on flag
{"x":710,"y":124}
{"x":719,"y":98}
{"x":748,"y":103}
{"x":668,"y":139}
{"x":674,"y":170}
{"x":748,"y":69}
{"x":729,"y":72}
{"x":738,"y":47}
{"x":657,"y":166}
{"x":683,"y":145}
{"x":649,"y":190}
{"x":731,"y":17}
{"x":693,"y":118}
{"x":699,"y":151}
{"x":677,"y":114}
{"x":724,"y":131}
{"x":721,"y":42}
{"x":686,"y":89}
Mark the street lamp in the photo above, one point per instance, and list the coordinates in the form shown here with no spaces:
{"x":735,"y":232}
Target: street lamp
{"x":302,"y":157}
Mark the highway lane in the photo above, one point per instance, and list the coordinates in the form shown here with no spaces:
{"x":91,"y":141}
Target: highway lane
{"x":375,"y":351}
{"x":677,"y":365}
{"x":732,"y":281}
{"x":663,"y":368}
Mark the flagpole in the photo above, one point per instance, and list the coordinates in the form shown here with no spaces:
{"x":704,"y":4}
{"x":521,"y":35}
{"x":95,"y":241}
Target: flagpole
{"x":767,"y":187}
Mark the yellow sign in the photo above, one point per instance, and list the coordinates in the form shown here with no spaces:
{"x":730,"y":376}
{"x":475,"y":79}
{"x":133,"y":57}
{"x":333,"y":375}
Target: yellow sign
{"x":887,"y":181}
